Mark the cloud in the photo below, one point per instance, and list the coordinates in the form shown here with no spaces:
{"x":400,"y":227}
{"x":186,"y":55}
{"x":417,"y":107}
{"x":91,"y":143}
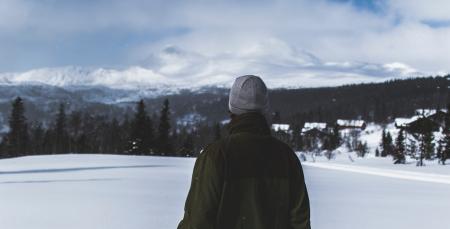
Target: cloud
{"x":309,"y":43}
{"x":278,"y":63}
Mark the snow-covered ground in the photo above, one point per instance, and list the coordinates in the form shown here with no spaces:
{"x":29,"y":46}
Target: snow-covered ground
{"x":133,"y":192}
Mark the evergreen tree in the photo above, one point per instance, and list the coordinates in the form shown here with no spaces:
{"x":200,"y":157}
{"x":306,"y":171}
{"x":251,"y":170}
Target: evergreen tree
{"x":141,"y":136}
{"x":149,"y":136}
{"x":47,"y":143}
{"x":188,"y":145}
{"x":37,"y":139}
{"x":125,"y":130}
{"x":382,"y":143}
{"x":61,"y":139}
{"x":386,"y":144}
{"x":411,"y":148}
{"x":297,"y":137}
{"x":114,"y":137}
{"x":399,"y":152}
{"x":445,"y":154}
{"x":439,"y":148}
{"x":428,"y":145}
{"x":377,"y":152}
{"x":17,"y":139}
{"x":3,"y":147}
{"x":389,"y":144}
{"x":326,"y":145}
{"x":164,"y":143}
{"x":361,"y":148}
{"x":335,"y":138}
{"x":75,"y":126}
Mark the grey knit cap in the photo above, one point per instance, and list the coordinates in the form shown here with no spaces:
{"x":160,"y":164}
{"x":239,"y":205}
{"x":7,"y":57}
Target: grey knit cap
{"x":248,"y":94}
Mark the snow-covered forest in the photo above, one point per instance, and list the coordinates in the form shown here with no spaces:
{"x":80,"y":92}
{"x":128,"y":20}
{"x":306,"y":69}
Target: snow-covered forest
{"x":106,"y":108}
{"x":423,"y":135}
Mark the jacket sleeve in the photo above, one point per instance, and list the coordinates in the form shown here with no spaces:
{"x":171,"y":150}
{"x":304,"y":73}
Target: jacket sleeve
{"x":200,"y":211}
{"x":299,"y":210}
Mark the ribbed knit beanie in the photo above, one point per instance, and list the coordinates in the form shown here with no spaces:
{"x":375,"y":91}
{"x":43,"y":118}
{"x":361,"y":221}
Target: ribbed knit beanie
{"x":248,"y":94}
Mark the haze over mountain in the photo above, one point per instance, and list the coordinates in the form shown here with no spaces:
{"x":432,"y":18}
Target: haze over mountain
{"x":174,"y":68}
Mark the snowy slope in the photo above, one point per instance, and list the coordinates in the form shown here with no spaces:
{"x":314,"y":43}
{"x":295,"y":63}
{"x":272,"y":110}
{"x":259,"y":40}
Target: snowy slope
{"x":135,"y":192}
{"x":372,"y":136}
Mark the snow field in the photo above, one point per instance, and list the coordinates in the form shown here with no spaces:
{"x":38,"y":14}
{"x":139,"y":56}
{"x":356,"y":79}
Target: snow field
{"x":135,"y":192}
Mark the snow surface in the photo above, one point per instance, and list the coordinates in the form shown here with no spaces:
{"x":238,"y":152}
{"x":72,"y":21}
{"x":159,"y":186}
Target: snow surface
{"x":373,"y":132}
{"x":354,"y":123}
{"x":133,"y":192}
{"x":280,"y":127}
{"x":428,"y":112}
{"x":314,"y":125}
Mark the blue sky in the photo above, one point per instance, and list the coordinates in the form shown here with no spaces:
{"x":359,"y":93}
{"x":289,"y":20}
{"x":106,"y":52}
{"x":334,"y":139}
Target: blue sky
{"x":411,"y":35}
{"x":375,"y":6}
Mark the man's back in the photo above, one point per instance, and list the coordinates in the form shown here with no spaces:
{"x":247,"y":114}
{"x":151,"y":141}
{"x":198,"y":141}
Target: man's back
{"x":247,"y":180}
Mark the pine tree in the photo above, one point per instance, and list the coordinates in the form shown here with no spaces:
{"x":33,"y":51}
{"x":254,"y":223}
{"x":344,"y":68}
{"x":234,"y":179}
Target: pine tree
{"x":164,"y":143}
{"x":37,"y":139}
{"x":445,"y":154}
{"x":113,"y":139}
{"x":361,"y":148}
{"x":377,"y":152}
{"x":428,"y":145}
{"x":383,"y":144}
{"x":411,"y":148}
{"x":3,"y":147}
{"x":17,"y":139}
{"x":326,"y":145}
{"x":383,"y":140}
{"x":61,"y":139}
{"x":386,"y":144}
{"x":399,"y":152}
{"x":125,"y":132}
{"x":188,"y":145}
{"x":336,"y":137}
{"x":389,"y":144}
{"x":141,"y":136}
{"x":297,"y":137}
{"x":74,"y":131}
{"x":47,"y":144}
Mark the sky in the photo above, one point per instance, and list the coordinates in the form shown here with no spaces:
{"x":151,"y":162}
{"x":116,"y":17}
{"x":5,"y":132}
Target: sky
{"x":298,"y":43}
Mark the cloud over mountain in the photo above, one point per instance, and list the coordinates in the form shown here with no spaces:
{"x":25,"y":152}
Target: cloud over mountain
{"x":280,"y":64}
{"x":290,"y":43}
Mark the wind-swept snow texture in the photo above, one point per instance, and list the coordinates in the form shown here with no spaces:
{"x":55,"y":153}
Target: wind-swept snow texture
{"x":133,"y":192}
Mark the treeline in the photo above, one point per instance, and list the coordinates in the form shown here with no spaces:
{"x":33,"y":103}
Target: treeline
{"x":372,"y":102}
{"x":140,"y":133}
{"x":423,"y":144}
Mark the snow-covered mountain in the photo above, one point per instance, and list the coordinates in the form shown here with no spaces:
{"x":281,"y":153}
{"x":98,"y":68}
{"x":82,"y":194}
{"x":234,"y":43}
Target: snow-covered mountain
{"x":173,"y":68}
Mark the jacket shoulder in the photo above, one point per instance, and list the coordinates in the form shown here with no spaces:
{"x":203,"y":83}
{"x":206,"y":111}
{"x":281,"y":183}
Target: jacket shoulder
{"x":213,"y":150}
{"x":284,"y":146}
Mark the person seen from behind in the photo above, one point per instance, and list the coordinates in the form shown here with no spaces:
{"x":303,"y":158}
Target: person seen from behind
{"x":248,"y":179}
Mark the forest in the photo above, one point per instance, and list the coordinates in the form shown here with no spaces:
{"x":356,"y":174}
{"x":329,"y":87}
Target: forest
{"x":151,"y":129}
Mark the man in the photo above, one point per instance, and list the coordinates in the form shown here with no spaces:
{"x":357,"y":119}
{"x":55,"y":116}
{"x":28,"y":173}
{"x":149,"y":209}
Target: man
{"x":249,"y":179}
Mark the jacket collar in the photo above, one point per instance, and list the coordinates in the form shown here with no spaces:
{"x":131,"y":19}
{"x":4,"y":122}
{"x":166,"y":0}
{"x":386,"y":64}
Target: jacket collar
{"x":250,"y":123}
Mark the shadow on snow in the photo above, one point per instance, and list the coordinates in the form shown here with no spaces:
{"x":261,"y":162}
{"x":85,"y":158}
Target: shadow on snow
{"x":58,"y":181}
{"x":62,"y":170}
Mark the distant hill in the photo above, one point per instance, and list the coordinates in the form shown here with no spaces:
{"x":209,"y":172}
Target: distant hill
{"x":372,"y":102}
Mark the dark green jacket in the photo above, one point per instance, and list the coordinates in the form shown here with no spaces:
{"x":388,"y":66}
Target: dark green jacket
{"x":248,"y":180}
